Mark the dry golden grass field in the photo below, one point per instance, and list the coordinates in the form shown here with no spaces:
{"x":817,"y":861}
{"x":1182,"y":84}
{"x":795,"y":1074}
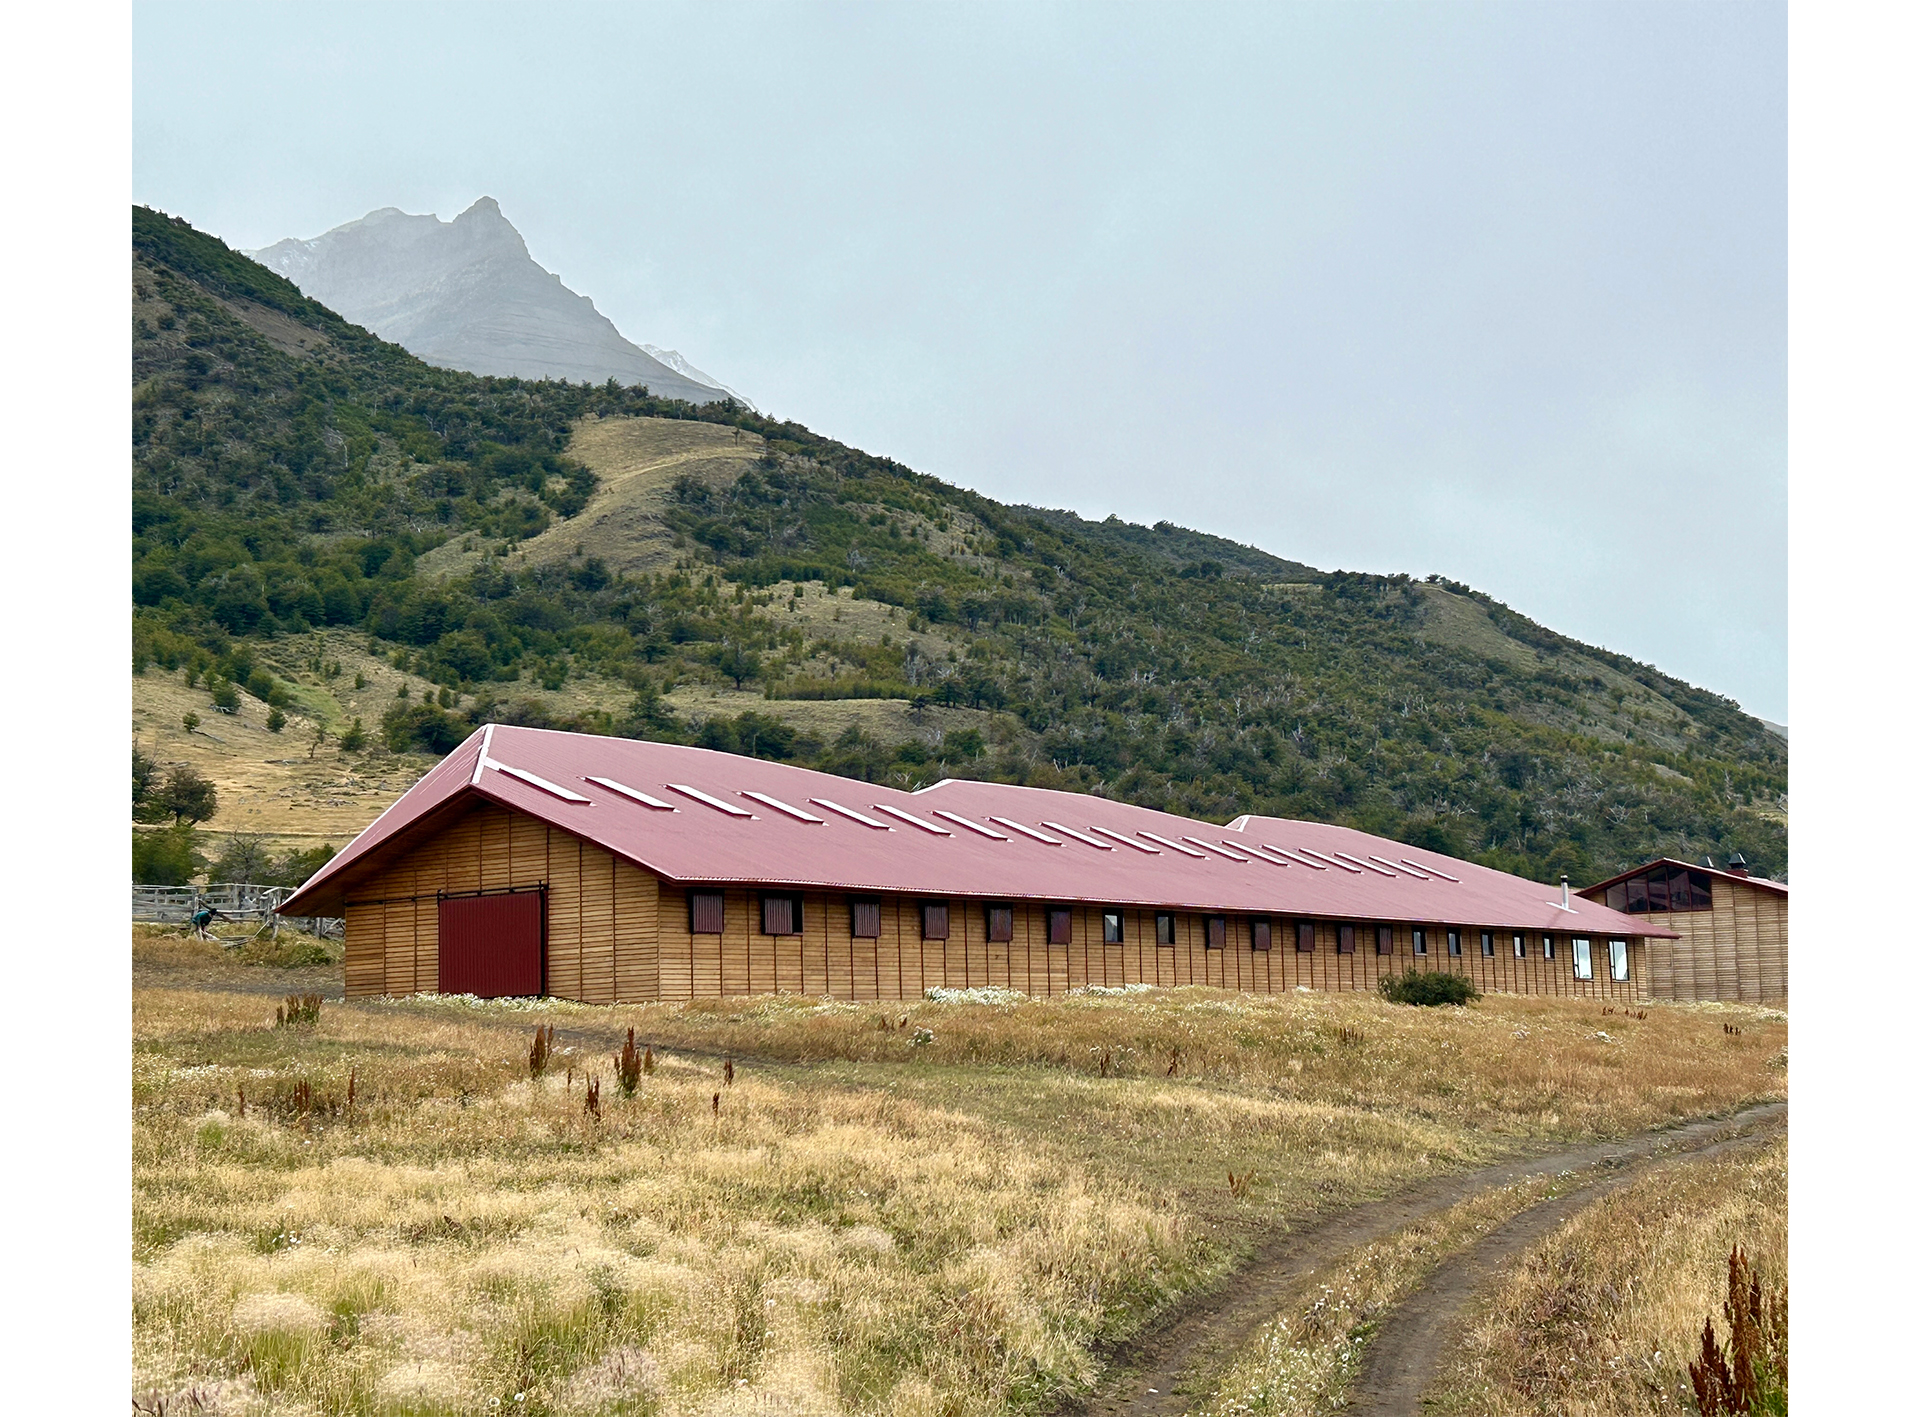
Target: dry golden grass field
{"x":950,"y":1207}
{"x":1602,"y":1319}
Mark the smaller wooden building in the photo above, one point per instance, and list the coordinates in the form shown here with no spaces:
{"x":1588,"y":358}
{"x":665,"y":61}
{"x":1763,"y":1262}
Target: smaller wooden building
{"x":1730,"y":928}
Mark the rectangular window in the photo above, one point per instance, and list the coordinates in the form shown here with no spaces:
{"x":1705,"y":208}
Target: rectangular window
{"x":1303,"y":937}
{"x":1679,"y":891}
{"x":1546,"y":947}
{"x":1617,"y":955}
{"x":779,"y":914}
{"x":1617,"y":896}
{"x":1486,"y":943}
{"x":1657,"y":898}
{"x":1582,"y":959}
{"x":1216,"y":932}
{"x":1263,"y":934}
{"x":1163,"y":927}
{"x":1453,"y":942}
{"x":1000,"y":922}
{"x":706,"y":912}
{"x":933,"y":920}
{"x":1419,"y":942}
{"x":1383,"y":939}
{"x":1637,"y":896}
{"x":1345,"y":945}
{"x":1702,"y":890}
{"x":866,"y":919}
{"x":1059,"y":927}
{"x":1519,"y":946}
{"x":1112,"y":927}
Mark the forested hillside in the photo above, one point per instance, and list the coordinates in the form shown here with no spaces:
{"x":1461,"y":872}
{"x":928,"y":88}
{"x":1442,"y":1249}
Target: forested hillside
{"x":291,"y":472}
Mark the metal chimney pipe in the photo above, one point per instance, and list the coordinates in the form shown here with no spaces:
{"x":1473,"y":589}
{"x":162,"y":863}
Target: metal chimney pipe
{"x":1566,"y":893}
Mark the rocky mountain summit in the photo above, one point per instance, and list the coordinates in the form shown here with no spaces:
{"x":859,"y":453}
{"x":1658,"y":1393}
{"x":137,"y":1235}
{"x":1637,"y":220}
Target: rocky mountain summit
{"x":465,"y":294}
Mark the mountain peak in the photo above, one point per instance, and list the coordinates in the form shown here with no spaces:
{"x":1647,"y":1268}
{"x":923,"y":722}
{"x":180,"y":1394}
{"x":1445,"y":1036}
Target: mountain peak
{"x":467,"y":294}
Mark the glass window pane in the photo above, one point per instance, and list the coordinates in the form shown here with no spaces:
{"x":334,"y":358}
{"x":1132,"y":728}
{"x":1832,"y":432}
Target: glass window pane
{"x":1453,"y":942}
{"x":1657,"y":890}
{"x":1419,"y":942}
{"x":1546,"y":947}
{"x":1486,"y":943}
{"x":1216,"y":932}
{"x":1702,"y":890}
{"x":1617,"y":953}
{"x":1583,"y":959}
{"x":1519,"y":946}
{"x":1303,"y":937}
{"x":1617,"y":896}
{"x":1637,"y":896}
{"x":1163,"y":927}
{"x":1110,"y":927}
{"x":1679,"y":891}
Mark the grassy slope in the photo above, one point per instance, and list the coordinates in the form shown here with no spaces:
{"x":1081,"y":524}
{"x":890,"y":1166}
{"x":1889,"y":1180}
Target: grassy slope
{"x":534,"y":549}
{"x":870,"y":1224}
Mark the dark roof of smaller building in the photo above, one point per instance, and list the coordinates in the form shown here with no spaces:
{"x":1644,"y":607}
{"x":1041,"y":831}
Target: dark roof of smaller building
{"x":1762,"y":882}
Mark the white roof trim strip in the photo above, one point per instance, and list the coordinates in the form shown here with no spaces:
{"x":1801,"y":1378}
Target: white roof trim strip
{"x":911,"y":820}
{"x":1012,"y":825}
{"x":1096,"y":844}
{"x":799,"y":814}
{"x":714,"y":802}
{"x":1356,"y":861}
{"x":643,"y":798}
{"x":850,"y":814}
{"x":1227,"y":851}
{"x":1413,"y":871}
{"x":479,"y":763}
{"x":1173,"y":845}
{"x":565,"y":794}
{"x":1435,"y":869}
{"x":1126,"y":840}
{"x":960,"y":821}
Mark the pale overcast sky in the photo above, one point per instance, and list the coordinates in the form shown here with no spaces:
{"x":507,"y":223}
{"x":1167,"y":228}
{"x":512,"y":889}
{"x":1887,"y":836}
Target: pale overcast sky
{"x":1497,"y":291}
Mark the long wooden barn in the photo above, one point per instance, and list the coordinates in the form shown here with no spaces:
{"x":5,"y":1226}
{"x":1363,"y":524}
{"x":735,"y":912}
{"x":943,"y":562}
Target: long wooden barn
{"x":604,"y":870}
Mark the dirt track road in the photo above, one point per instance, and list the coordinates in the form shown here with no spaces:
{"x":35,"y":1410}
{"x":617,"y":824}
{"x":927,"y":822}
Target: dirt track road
{"x":1171,"y":1370}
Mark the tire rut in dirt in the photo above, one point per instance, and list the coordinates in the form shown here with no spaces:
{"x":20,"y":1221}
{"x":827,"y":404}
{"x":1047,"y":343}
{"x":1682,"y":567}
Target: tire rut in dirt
{"x":1173,"y":1368}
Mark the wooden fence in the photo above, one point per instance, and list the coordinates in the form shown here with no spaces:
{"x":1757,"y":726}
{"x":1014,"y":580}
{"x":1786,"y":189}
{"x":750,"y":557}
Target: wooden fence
{"x":236,"y":900}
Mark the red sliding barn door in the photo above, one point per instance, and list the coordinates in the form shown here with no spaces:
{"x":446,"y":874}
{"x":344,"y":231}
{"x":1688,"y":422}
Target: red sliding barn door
{"x":493,"y":945}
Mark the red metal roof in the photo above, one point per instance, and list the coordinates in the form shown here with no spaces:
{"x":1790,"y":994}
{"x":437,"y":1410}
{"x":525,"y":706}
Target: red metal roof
{"x":1063,"y":846}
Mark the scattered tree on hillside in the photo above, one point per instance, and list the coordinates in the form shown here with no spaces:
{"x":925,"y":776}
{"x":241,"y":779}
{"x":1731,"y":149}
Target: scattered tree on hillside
{"x":276,"y":721}
{"x":166,"y":858}
{"x":354,"y":738}
{"x":226,"y":698}
{"x":189,"y":720}
{"x":186,"y":796}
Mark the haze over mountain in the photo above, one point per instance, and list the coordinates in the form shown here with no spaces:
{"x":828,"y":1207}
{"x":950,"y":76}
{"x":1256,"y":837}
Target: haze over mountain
{"x":465,"y":294}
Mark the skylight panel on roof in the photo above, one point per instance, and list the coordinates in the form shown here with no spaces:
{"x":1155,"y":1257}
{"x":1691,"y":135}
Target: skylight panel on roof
{"x":1126,"y":840}
{"x":1410,"y":870}
{"x":1174,"y":845}
{"x":799,"y":814}
{"x":850,"y":814}
{"x":1012,"y":825}
{"x":1322,"y":856}
{"x":1094,"y":842}
{"x":911,"y":820}
{"x":535,"y":780}
{"x":1365,"y":866}
{"x":1435,"y":869}
{"x":1226,"y":851}
{"x":960,"y":821}
{"x":714,"y":802}
{"x":1297,"y":858}
{"x":1266,"y":854}
{"x":633,"y":794}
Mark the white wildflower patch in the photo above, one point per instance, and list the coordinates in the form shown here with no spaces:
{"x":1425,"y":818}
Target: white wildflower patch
{"x":278,"y":1312}
{"x":545,"y":1004}
{"x":427,"y":1381}
{"x":625,"y":1380}
{"x":1114,"y":990}
{"x":982,"y":994}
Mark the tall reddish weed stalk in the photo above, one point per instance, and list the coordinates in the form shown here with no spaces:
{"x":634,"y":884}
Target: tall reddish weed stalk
{"x":1748,"y":1374}
{"x":627,"y":1067}
{"x":542,"y":1050}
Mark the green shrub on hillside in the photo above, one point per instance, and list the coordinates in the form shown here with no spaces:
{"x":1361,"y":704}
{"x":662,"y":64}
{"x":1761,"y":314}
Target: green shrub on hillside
{"x":166,"y":858}
{"x":1428,"y":988}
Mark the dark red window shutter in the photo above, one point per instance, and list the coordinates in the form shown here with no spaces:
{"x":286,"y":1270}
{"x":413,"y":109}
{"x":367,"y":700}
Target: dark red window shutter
{"x":1346,"y":940}
{"x":1383,"y":939}
{"x":1263,"y":934}
{"x":1303,"y":937}
{"x":706,"y":912}
{"x":1059,"y":927}
{"x":779,"y":915}
{"x":491,"y":945}
{"x":933,"y":920}
{"x":866,"y":920}
{"x":1216,"y":932}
